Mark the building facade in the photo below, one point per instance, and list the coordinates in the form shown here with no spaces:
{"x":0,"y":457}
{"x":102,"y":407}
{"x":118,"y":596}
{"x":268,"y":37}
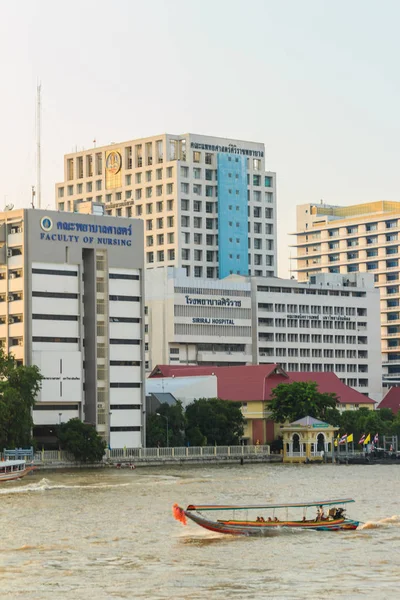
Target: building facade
{"x":361,"y":238}
{"x":71,"y":302}
{"x":208,"y":204}
{"x":331,"y":325}
{"x":197,"y":321}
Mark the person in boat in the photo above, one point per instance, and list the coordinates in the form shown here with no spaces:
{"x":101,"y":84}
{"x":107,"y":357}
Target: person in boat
{"x":304,"y":519}
{"x":320,"y":513}
{"x":269,"y":520}
{"x":276,"y":519}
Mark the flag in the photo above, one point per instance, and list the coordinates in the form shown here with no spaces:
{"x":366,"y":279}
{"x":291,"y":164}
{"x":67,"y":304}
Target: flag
{"x":367,"y":439}
{"x":362,"y":439}
{"x":336,"y":440}
{"x":343,"y":439}
{"x":350,"y":438}
{"x":376,"y":439}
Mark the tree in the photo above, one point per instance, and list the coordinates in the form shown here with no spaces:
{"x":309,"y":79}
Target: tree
{"x":156,"y":426}
{"x":19,"y":386}
{"x":214,"y":421}
{"x":81,"y":440}
{"x":292,"y":401}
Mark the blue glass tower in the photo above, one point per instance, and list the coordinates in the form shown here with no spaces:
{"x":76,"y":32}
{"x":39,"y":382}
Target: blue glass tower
{"x":232,"y":215}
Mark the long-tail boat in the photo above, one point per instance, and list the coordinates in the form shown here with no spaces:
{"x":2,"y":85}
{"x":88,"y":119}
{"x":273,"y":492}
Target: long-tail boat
{"x":253,"y":519}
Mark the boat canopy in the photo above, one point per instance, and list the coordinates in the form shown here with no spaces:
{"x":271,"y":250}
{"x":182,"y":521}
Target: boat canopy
{"x":11,"y":463}
{"x":200,"y":507}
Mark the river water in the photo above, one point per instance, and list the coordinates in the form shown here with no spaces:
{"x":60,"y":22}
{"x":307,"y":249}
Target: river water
{"x":110,"y":535}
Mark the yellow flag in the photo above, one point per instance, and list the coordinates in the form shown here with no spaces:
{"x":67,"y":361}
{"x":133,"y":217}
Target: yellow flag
{"x":350,"y":438}
{"x":367,"y":439}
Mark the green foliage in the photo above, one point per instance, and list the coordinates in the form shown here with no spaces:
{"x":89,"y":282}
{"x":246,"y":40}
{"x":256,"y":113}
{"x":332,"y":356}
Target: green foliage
{"x":156,"y":426}
{"x":358,"y":422}
{"x":292,"y":401}
{"x":205,"y":421}
{"x":19,"y":386}
{"x":214,"y":421}
{"x":81,"y":440}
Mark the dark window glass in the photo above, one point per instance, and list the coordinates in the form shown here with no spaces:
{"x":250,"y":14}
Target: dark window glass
{"x":124,"y":320}
{"x":57,"y":340}
{"x":123,"y":276}
{"x":124,"y":363}
{"x":125,"y":428}
{"x":54,"y":295}
{"x":56,"y":317}
{"x":125,"y":298}
{"x":125,"y":342}
{"x":125,"y":407}
{"x":57,"y":407}
{"x":124,"y":384}
{"x":55,"y":272}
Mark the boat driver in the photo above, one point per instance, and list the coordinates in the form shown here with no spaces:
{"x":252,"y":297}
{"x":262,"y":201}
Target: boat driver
{"x":320,"y":513}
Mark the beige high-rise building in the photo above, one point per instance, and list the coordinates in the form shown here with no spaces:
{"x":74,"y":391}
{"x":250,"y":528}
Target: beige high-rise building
{"x":208,"y":203}
{"x":359,"y":238}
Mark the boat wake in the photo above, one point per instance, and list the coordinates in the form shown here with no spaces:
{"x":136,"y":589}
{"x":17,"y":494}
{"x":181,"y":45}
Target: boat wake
{"x":386,"y":522}
{"x":45,"y":485}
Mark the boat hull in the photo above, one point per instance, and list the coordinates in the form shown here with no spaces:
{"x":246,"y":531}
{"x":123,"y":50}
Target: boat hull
{"x":255,"y":528}
{"x":15,"y":474}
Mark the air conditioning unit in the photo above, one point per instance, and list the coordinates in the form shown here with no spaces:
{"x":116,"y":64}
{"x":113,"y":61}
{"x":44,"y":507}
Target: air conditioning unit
{"x":9,"y":253}
{"x":10,"y":298}
{"x":12,"y":275}
{"x":11,"y":320}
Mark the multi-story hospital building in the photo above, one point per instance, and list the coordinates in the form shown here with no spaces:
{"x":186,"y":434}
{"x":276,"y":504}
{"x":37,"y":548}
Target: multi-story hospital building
{"x":328,"y":325}
{"x":208,"y":204}
{"x":71,"y":302}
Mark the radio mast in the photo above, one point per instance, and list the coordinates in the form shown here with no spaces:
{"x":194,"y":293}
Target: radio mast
{"x":38,"y":148}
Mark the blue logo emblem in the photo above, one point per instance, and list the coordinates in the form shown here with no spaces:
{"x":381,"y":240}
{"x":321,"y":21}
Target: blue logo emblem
{"x":46,"y":224}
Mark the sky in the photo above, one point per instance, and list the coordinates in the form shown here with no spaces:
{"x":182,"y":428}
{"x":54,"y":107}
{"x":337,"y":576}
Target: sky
{"x":316,"y":81}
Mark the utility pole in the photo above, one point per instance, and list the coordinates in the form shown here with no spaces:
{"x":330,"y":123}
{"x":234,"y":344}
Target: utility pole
{"x":38,"y":148}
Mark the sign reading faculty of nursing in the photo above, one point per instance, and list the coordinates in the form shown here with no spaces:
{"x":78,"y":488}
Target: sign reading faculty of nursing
{"x":100,"y":233}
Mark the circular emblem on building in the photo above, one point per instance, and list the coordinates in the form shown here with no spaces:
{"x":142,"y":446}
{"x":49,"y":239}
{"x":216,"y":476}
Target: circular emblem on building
{"x":46,"y":224}
{"x":113,"y":162}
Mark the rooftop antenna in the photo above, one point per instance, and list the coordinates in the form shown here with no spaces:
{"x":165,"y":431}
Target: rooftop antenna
{"x":33,"y":197}
{"x":38,"y":148}
{"x":94,"y":143}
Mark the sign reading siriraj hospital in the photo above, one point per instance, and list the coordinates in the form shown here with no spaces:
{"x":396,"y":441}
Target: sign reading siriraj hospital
{"x":101,"y":233}
{"x":206,"y":321}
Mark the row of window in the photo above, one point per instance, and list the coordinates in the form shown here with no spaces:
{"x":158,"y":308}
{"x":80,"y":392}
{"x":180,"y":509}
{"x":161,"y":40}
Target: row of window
{"x":313,"y":324}
{"x":160,"y":239}
{"x":45,"y":317}
{"x":306,"y":309}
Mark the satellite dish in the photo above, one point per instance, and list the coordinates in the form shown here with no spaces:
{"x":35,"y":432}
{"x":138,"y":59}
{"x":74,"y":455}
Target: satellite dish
{"x":8,"y":207}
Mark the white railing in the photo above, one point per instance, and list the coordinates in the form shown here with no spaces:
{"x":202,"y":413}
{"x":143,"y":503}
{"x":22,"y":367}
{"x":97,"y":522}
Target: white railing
{"x":156,"y":454}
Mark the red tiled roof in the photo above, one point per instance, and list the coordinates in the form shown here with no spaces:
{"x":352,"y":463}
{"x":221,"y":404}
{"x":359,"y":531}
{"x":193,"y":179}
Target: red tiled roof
{"x":391,"y":400}
{"x":256,"y":382}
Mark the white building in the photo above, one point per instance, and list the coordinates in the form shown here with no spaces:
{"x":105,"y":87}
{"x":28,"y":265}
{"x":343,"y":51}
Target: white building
{"x":197,"y":321}
{"x":208,"y":203}
{"x":360,"y":238}
{"x":71,"y":302}
{"x":331,"y":324}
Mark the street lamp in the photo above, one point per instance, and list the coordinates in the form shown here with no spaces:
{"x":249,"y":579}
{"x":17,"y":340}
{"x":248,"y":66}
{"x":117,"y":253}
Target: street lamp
{"x":166,"y":418}
{"x":59,"y":418}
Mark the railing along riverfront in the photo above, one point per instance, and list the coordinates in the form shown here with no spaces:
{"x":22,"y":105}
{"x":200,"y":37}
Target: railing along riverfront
{"x":188,"y":453}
